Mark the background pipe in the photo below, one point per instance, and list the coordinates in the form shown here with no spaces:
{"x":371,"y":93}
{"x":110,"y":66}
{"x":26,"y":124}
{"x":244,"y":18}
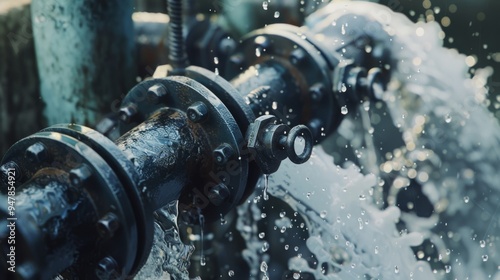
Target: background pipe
{"x":85,"y":56}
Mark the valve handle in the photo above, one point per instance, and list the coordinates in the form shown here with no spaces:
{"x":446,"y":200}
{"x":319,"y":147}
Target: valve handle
{"x":299,"y":131}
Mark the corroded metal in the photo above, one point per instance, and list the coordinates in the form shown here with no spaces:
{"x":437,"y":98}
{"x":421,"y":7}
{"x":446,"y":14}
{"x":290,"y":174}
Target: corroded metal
{"x":85,"y":56}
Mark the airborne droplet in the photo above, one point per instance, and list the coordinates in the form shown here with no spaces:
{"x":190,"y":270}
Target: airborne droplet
{"x":344,"y":110}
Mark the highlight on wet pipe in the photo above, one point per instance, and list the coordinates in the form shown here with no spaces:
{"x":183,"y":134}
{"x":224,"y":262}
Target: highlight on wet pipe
{"x":258,"y":140}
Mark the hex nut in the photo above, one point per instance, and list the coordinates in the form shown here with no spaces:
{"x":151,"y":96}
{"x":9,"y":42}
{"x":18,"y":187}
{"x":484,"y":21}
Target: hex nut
{"x":156,"y":93}
{"x":106,"y":269}
{"x":36,"y":152}
{"x":317,"y":92}
{"x":218,"y":194}
{"x":78,"y":176}
{"x":4,"y":171}
{"x":297,"y":56}
{"x":197,"y":112}
{"x":107,"y":225}
{"x":223,"y":153}
{"x":127,"y":113}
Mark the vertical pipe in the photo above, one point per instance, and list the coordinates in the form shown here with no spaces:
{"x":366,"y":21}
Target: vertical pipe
{"x":84,"y":50}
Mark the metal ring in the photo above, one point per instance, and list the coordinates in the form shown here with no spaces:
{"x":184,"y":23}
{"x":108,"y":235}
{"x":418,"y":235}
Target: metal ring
{"x":304,"y":132}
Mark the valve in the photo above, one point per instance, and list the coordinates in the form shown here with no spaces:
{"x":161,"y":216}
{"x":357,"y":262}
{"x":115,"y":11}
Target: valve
{"x":271,"y":143}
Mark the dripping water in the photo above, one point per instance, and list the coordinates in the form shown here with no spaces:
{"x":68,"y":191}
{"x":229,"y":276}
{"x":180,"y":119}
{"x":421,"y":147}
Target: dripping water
{"x":266,"y":187}
{"x":201,"y":218}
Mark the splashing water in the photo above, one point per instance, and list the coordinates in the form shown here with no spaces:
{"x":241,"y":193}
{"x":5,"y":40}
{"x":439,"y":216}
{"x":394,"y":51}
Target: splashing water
{"x":255,"y":252}
{"x":333,"y":211}
{"x":450,"y":139}
{"x":169,"y":257}
{"x":266,"y":186}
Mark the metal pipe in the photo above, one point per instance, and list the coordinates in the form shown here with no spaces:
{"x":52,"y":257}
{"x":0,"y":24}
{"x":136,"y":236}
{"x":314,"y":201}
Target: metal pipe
{"x":49,"y":227}
{"x":166,"y":151}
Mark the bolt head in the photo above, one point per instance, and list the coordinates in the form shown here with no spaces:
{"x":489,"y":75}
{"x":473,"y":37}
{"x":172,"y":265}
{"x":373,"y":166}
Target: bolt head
{"x":223,"y":153}
{"x":106,"y":269}
{"x":36,"y":152}
{"x":108,"y":225}
{"x":80,"y":175}
{"x":227,"y":45}
{"x":106,"y":125}
{"x":218,"y":194}
{"x":297,"y":56}
{"x":237,"y":60}
{"x":197,"y":112}
{"x":317,"y":92}
{"x":4,"y":171}
{"x":156,"y":93}
{"x":262,"y":42}
{"x":127,"y":113}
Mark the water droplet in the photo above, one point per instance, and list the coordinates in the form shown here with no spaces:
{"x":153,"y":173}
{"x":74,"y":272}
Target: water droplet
{"x":376,"y":250}
{"x":230,"y":273}
{"x":466,"y":199}
{"x":343,"y":88}
{"x":265,"y":246}
{"x":323,"y":214}
{"x":362,"y":197}
{"x":216,"y":60}
{"x":282,"y":214}
{"x":263,"y":215}
{"x":296,"y":275}
{"x":447,"y":268}
{"x":485,"y":258}
{"x":396,"y":269}
{"x":203,"y":261}
{"x":447,"y":118}
{"x":276,"y":14}
{"x":258,"y":52}
{"x":265,"y":5}
{"x":287,"y":246}
{"x":296,"y":248}
{"x":344,"y":110}
{"x":262,"y":235}
{"x":263,"y":266}
{"x":266,"y":186}
{"x":283,"y":229}
{"x":482,"y":243}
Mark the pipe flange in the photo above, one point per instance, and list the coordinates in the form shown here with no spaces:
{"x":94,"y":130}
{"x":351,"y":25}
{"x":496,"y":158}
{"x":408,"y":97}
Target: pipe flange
{"x":129,"y":178}
{"x":205,"y":109}
{"x":231,"y":98}
{"x":88,"y":172}
{"x":290,"y":46}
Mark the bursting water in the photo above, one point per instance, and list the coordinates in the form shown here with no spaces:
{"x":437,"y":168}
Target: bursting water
{"x":169,"y":257}
{"x":450,"y":138}
{"x":344,"y":230}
